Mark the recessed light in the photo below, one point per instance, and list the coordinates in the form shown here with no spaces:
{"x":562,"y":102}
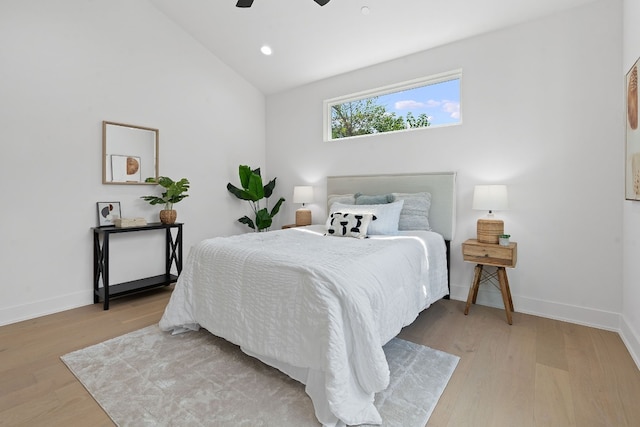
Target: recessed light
{"x":266,"y":50}
{"x":365,"y":10}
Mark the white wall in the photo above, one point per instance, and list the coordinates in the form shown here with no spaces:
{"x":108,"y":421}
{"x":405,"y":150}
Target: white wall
{"x":67,"y":66}
{"x":630,"y":324}
{"x":541,"y":113}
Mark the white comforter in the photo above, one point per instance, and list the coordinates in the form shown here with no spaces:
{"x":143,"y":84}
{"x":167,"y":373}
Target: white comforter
{"x":319,"y":308}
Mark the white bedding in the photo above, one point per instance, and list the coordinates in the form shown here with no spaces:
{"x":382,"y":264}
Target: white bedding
{"x":319,"y":308}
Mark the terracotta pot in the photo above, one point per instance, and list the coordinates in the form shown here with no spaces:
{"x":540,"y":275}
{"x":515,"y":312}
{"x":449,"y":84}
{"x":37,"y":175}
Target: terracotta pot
{"x":168,"y":216}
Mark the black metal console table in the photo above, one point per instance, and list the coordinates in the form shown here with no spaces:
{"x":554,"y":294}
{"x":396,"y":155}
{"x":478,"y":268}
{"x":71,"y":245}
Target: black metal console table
{"x":101,"y":262}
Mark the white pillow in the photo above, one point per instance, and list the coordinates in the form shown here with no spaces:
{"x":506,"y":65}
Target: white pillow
{"x":387,"y":215}
{"x":345,"y":224}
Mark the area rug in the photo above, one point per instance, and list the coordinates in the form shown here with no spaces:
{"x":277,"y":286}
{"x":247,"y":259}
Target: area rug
{"x":152,"y":378}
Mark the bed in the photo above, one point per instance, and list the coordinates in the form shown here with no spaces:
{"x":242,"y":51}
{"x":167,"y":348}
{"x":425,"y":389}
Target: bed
{"x":320,"y":307}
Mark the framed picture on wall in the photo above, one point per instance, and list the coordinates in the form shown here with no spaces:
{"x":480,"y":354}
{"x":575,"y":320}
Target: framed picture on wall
{"x":125,"y":168}
{"x":632,"y":152}
{"x":108,"y":212}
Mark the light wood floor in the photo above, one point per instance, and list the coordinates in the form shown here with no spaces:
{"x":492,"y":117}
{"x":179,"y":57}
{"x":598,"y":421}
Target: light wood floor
{"x":538,"y":372}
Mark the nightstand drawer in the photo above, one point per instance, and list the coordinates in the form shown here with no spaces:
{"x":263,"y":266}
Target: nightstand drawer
{"x":490,"y":254}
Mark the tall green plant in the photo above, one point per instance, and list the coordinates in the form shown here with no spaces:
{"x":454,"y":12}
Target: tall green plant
{"x":253,"y":191}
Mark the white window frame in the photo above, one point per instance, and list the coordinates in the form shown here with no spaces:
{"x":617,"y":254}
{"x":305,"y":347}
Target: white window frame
{"x":385,"y":90}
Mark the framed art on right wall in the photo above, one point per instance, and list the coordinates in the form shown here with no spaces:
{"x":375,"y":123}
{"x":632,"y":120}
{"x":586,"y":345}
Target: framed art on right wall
{"x":632,"y":152}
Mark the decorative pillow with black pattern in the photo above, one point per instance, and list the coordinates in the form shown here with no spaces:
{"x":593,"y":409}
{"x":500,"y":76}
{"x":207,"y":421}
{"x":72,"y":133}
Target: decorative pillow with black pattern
{"x":349,"y":224}
{"x":387,"y":215}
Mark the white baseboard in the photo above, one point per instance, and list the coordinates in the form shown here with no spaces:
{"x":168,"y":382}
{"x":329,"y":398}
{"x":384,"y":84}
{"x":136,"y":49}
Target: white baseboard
{"x":631,"y":340}
{"x":40,"y":308}
{"x":600,"y":319}
{"x":492,"y":297}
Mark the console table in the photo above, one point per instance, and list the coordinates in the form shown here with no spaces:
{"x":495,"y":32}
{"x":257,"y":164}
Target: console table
{"x":101,"y":262}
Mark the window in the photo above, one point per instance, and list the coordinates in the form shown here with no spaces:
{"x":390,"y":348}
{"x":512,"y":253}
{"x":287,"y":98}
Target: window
{"x":417,"y":104}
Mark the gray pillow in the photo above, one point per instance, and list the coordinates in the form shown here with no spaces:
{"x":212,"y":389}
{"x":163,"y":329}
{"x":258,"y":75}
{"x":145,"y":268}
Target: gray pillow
{"x":415,"y":211}
{"x":347,"y":199}
{"x":363,"y":199}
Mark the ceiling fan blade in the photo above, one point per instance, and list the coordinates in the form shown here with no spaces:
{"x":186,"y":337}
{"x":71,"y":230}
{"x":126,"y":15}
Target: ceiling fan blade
{"x":248,"y":3}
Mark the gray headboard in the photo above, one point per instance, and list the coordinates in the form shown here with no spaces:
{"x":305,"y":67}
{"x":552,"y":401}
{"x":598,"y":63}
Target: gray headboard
{"x":442,"y":187}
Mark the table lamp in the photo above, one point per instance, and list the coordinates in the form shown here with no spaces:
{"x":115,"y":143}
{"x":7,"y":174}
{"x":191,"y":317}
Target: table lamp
{"x":303,"y":194}
{"x":490,"y":198}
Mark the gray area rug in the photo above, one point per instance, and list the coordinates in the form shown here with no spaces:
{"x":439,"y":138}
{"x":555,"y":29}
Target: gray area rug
{"x":151,"y":378}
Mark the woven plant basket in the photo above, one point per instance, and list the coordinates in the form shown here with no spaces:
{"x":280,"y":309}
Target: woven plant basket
{"x":168,"y":216}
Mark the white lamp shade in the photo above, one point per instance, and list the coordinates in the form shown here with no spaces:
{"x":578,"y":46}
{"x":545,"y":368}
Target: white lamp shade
{"x":490,"y":198}
{"x":302,"y":194}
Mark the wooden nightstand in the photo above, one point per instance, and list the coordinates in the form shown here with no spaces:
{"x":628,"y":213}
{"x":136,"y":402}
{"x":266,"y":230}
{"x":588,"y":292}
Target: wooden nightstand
{"x":495,"y":255}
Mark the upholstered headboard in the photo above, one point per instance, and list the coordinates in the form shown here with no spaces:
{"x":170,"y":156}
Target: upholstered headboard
{"x":442,"y":187}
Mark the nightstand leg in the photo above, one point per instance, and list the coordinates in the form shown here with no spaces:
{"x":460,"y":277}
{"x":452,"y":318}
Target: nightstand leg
{"x":477,"y":277}
{"x":506,"y":293}
{"x":506,"y":281}
{"x":473,"y":291}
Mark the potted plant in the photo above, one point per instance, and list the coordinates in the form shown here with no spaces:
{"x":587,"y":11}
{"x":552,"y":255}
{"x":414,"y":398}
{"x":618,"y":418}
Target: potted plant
{"x":253,"y":191}
{"x":174,"y":192}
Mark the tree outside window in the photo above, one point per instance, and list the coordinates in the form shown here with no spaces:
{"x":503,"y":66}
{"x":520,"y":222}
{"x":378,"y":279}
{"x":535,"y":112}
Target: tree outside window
{"x":434,"y":101}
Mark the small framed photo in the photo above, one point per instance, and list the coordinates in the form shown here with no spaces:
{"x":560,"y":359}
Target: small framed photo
{"x":125,"y":168}
{"x":108,"y":212}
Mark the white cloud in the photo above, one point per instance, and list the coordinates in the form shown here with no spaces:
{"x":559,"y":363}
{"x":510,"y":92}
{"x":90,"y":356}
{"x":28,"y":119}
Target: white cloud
{"x":452,"y":108}
{"x":405,"y":105}
{"x":432,"y":103}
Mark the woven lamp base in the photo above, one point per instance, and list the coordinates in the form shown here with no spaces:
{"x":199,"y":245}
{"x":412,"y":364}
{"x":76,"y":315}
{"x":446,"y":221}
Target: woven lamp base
{"x":303,"y":217}
{"x":488,"y":230}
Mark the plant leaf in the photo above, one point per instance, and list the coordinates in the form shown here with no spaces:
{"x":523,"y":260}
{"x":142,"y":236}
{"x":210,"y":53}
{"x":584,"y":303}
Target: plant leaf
{"x":165,"y":181}
{"x":268,"y":189}
{"x":245,"y":174}
{"x":263,"y":219}
{"x":255,"y":187}
{"x":246,"y":220}
{"x":153,"y":200}
{"x":240,"y":194}
{"x":276,"y":208}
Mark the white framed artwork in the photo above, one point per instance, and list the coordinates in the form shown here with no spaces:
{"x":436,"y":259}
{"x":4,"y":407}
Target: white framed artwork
{"x":108,"y":212}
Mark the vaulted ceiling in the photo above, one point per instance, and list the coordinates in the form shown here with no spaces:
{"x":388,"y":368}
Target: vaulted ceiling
{"x":310,"y":42}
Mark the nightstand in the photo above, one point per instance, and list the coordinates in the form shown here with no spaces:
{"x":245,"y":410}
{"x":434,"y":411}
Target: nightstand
{"x":494,"y":255}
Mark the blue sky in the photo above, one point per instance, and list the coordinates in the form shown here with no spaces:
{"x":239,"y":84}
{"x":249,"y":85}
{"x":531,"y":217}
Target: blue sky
{"x":441,"y":102}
